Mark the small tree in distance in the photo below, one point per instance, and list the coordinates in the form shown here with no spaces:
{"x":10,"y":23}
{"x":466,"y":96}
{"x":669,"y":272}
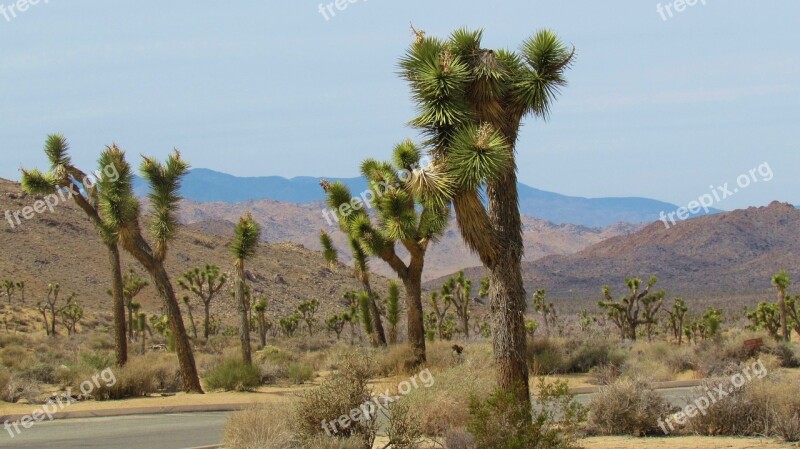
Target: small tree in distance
{"x":245,"y":243}
{"x":205,"y":283}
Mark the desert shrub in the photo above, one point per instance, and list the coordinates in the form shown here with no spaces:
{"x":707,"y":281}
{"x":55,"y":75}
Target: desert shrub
{"x":320,"y":442}
{"x":16,"y":357}
{"x":99,"y":342}
{"x":404,"y":429}
{"x":274,"y":354}
{"x":444,"y":405}
{"x":786,"y":354}
{"x":263,"y":427}
{"x":501,"y":422}
{"x":16,"y":388}
{"x":593,"y":353}
{"x":43,"y":373}
{"x":392,"y":362}
{"x":546,"y":356}
{"x":627,"y":407}
{"x":459,"y":438}
{"x":341,"y":394}
{"x":232,"y":374}
{"x":5,"y":379}
{"x":97,"y":360}
{"x":299,"y":373}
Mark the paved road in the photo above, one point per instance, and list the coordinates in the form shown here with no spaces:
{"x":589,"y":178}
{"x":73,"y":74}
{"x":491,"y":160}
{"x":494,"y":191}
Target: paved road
{"x":177,"y":431}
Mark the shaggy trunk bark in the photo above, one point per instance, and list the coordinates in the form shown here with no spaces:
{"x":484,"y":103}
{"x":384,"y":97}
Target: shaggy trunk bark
{"x":120,"y":336}
{"x":141,"y":251}
{"x":244,"y":322}
{"x":507,"y":292}
{"x":130,"y":322}
{"x":416,"y":327}
{"x":262,"y":331}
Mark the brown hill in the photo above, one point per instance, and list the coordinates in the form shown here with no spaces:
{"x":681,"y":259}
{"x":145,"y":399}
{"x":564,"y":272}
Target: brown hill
{"x":301,"y":223}
{"x":725,"y":259}
{"x":63,"y":247}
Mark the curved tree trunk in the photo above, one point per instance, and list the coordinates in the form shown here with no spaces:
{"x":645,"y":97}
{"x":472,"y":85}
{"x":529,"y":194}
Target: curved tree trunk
{"x":141,"y":251}
{"x":120,"y":336}
{"x":416,"y":328}
{"x":244,"y":322}
{"x":377,"y":324}
{"x":207,"y":318}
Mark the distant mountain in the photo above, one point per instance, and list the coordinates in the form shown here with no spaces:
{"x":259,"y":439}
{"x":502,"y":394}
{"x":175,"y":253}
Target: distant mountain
{"x":725,"y":259}
{"x":203,"y":185}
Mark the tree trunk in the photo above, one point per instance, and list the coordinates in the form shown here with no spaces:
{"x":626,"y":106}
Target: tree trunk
{"x":120,"y":336}
{"x":130,"y":322}
{"x":784,"y":324}
{"x":207,"y":305}
{"x":191,"y":320}
{"x":416,"y":327}
{"x":377,"y":324}
{"x":262,"y":331}
{"x":507,"y":292}
{"x":142,"y":252}
{"x":244,"y":322}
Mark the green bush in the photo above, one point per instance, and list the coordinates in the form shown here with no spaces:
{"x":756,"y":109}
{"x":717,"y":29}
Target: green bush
{"x":501,"y":422}
{"x":300,"y":373}
{"x":593,"y":353}
{"x":97,"y":360}
{"x":233,"y":375}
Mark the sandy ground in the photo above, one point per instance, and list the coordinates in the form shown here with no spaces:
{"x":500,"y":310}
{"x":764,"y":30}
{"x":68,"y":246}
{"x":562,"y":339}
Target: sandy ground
{"x":682,"y":443}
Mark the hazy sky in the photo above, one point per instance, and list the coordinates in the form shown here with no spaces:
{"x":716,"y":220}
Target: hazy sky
{"x":656,"y":108}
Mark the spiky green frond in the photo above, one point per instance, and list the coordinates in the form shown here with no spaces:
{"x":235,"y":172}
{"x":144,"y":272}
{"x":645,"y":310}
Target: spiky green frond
{"x":781,"y":280}
{"x":466,"y":42}
{"x":433,"y":222}
{"x":406,"y":155}
{"x":57,"y":150}
{"x":536,"y":87}
{"x":165,"y":182}
{"x":478,"y":154}
{"x":360,"y":258}
{"x":431,"y":185}
{"x":370,"y":239}
{"x":37,"y":183}
{"x":329,"y":251}
{"x":118,"y":206}
{"x":245,"y":238}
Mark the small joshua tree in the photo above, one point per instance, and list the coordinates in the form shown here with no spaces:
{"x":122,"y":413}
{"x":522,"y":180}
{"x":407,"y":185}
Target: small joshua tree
{"x":393,"y":310}
{"x":365,"y":311}
{"x":545,"y":309}
{"x":289,"y":325}
{"x":71,"y":315}
{"x":336,"y":324}
{"x":782,"y":281}
{"x":307,"y":311}
{"x":793,"y":314}
{"x":440,"y":304}
{"x":21,"y":287}
{"x":458,"y":290}
{"x":245,"y":243}
{"x":132,"y":285}
{"x":677,"y":316}
{"x":766,"y":316}
{"x":51,"y":307}
{"x":205,"y":284}
{"x":638,"y":307}
{"x":9,"y":287}
{"x":260,"y":308}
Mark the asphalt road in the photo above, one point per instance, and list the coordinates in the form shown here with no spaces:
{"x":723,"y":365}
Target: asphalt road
{"x":177,"y":431}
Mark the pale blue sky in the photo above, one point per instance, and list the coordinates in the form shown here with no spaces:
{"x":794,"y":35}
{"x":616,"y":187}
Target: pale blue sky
{"x":661,"y":109}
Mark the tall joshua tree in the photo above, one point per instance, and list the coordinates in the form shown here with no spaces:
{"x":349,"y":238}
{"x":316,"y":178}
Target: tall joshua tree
{"x":412,"y":212}
{"x":120,"y":208}
{"x":66,"y":180}
{"x":471,"y":103}
{"x":637,"y":307}
{"x":782,"y":281}
{"x":205,"y":284}
{"x":245,"y":242}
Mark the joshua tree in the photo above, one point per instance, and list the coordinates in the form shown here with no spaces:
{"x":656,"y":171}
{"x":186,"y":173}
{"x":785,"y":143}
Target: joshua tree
{"x":440,"y":304}
{"x":245,"y":243}
{"x":261,"y":318}
{"x":351,"y":315}
{"x":412,"y":212}
{"x":51,"y":307}
{"x":188,"y":305}
{"x":307,"y":311}
{"x":205,"y":283}
{"x":329,"y":251}
{"x":393,"y":311}
{"x":458,"y":290}
{"x":365,"y":310}
{"x":636,"y":308}
{"x":767,"y":317}
{"x":792,"y":304}
{"x":336,"y":322}
{"x":21,"y":287}
{"x":71,"y":315}
{"x":547,"y":310}
{"x":142,"y":328}
{"x":120,"y":208}
{"x":677,"y":317}
{"x":66,"y":179}
{"x":289,"y":325}
{"x":472,"y":102}
{"x":375,"y":327}
{"x":132,"y":285}
{"x":782,"y":281}
{"x":9,"y":286}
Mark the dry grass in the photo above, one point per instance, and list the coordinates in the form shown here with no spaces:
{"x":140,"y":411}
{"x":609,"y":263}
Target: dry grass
{"x":627,"y":407}
{"x":260,"y":427}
